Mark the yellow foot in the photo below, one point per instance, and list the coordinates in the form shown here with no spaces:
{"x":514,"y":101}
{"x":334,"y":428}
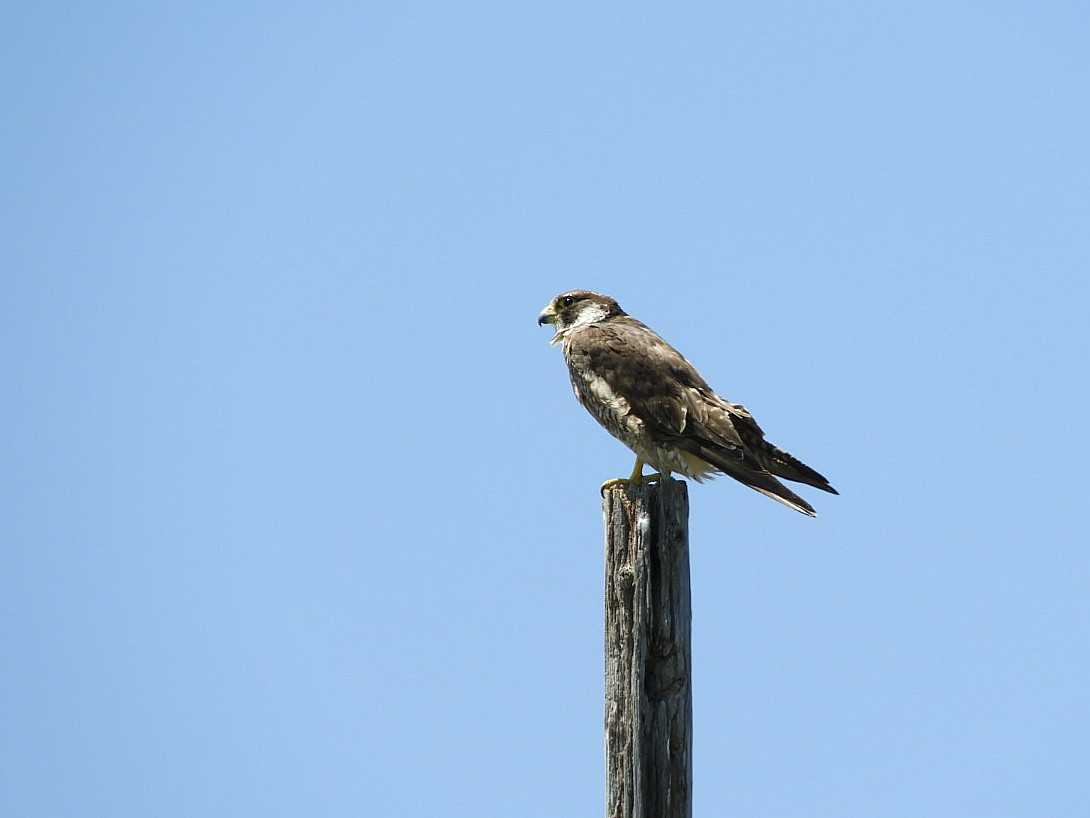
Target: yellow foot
{"x":616,"y":481}
{"x":635,"y":480}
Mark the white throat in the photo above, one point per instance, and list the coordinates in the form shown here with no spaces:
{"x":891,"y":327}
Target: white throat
{"x":589,"y":315}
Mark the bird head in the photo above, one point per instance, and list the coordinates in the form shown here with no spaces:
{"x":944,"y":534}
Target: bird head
{"x":576,"y":308}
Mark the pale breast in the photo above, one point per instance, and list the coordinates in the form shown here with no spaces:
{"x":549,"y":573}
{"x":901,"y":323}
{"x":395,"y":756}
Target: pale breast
{"x":608,"y":408}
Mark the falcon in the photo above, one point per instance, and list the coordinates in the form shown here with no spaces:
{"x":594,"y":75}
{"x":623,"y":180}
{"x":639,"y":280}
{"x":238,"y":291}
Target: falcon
{"x":649,"y":397}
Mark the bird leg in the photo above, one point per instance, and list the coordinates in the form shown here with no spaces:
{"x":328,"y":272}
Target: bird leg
{"x":635,"y":477}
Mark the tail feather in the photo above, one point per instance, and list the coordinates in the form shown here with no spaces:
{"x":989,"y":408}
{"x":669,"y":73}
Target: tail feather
{"x":782,"y":464}
{"x":754,"y":476}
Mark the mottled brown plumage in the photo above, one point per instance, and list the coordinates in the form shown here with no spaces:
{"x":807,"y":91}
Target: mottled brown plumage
{"x":649,"y":397}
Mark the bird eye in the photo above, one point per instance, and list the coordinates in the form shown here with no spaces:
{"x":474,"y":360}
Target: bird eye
{"x":567,"y":301}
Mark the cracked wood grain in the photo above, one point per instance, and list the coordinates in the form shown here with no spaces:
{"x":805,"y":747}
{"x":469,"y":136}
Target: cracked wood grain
{"x":649,"y":704}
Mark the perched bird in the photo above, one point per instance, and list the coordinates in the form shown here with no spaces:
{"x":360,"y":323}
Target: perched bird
{"x":649,"y":397}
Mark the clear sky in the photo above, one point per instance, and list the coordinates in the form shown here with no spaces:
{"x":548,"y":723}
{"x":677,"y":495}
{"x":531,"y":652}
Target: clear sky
{"x":300,"y":517}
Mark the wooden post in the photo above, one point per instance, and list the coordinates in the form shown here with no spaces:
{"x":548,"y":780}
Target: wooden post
{"x":649,"y":702}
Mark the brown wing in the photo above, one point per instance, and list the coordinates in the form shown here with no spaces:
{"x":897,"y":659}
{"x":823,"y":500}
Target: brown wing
{"x":760,"y":453}
{"x":659,"y":385}
{"x":677,"y":406}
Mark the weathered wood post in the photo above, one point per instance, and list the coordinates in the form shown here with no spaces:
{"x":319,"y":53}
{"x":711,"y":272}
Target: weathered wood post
{"x":649,"y":702}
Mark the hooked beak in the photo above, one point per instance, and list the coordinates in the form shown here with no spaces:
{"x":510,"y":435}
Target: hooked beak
{"x":547,"y":316}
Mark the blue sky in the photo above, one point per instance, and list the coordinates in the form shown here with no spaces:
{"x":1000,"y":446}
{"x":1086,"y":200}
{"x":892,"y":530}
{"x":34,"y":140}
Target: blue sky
{"x":300,"y":516}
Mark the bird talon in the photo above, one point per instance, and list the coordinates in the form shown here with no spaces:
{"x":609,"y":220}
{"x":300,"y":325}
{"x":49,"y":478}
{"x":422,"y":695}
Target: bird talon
{"x":616,"y":481}
{"x":637,"y":480}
